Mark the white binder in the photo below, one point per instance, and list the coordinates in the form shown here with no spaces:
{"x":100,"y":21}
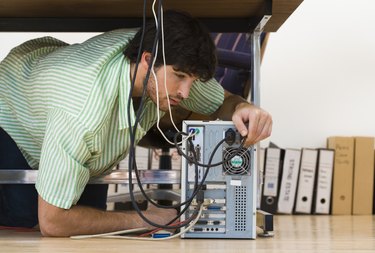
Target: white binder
{"x":322,"y":198}
{"x":289,"y":179}
{"x":272,"y":172}
{"x":306,"y":181}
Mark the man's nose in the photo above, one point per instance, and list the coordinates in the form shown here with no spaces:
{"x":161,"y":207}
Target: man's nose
{"x":184,"y":90}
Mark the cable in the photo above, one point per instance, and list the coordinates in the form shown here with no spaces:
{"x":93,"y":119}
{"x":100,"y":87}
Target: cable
{"x":133,"y":128}
{"x":126,"y":231}
{"x":197,"y":187}
{"x":188,"y":201}
{"x":132,"y":162}
{"x":165,"y":87}
{"x":239,"y":149}
{"x":115,"y":235}
{"x":164,"y":238}
{"x":137,"y":60}
{"x":19,"y":229}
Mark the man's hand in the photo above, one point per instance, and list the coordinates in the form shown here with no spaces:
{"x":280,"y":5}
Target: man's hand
{"x":258,"y":121}
{"x":159,"y":216}
{"x":251,"y":121}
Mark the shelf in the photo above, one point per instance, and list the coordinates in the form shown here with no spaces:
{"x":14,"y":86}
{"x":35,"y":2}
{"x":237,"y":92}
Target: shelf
{"x":116,"y":177}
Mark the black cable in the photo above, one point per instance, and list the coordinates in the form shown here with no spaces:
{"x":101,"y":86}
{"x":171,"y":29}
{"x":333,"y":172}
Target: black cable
{"x":197,"y":186}
{"x":196,"y":191}
{"x":137,"y":61}
{"x":132,"y":162}
{"x":188,"y":201}
{"x":239,"y":149}
{"x":132,"y":134}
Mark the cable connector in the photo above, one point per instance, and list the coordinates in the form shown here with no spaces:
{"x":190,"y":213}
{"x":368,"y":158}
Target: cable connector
{"x":161,"y":234}
{"x":200,"y":197}
{"x":208,"y":202}
{"x":230,"y":136}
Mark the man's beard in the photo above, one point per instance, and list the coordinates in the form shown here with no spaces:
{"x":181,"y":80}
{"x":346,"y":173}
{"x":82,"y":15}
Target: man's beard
{"x":151,"y":92}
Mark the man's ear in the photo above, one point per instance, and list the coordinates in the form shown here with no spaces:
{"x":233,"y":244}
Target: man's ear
{"x":146,"y":59}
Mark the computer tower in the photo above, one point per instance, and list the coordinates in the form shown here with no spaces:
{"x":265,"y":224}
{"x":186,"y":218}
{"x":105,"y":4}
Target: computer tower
{"x":229,"y":188}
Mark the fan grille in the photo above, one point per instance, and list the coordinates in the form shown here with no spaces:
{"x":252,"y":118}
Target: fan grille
{"x":237,"y":165}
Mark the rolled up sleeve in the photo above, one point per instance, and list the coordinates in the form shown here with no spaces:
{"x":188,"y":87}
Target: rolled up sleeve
{"x":62,"y":173}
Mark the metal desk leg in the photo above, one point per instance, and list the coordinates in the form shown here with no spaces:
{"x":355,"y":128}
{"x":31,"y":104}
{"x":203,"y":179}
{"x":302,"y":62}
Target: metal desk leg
{"x":264,"y":220}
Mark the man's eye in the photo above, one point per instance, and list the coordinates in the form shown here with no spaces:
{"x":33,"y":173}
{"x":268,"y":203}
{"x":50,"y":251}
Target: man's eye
{"x":180,"y":75}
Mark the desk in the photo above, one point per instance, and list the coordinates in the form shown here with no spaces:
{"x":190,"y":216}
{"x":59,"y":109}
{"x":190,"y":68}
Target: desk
{"x":306,"y":234}
{"x":100,"y":15}
{"x":252,"y":16}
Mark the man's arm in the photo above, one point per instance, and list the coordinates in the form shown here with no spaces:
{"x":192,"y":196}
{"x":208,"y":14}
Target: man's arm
{"x":55,"y":221}
{"x":62,"y":177}
{"x":250,"y":120}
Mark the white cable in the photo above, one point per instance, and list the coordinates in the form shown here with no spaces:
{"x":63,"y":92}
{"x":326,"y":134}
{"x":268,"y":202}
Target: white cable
{"x":115,"y":235}
{"x":192,"y":223}
{"x":127,"y":231}
{"x":165,"y":74}
{"x":165,"y":81}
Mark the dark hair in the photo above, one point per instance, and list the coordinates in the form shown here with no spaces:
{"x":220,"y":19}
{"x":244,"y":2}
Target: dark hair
{"x":188,"y":45}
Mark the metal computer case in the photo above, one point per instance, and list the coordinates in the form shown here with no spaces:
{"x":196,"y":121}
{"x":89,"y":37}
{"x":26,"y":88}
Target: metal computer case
{"x":229,"y":189}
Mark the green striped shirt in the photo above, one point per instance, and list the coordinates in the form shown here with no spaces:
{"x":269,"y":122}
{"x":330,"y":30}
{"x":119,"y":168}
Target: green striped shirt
{"x":66,"y":108}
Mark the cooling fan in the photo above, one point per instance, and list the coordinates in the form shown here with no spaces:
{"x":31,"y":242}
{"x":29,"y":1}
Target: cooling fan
{"x":239,"y":164}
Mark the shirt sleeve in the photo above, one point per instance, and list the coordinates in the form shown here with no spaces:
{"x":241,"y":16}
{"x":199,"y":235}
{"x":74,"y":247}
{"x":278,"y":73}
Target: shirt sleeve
{"x":62,"y":174}
{"x":205,"y":97}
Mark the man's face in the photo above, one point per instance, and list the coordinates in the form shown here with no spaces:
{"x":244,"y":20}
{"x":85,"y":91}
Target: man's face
{"x":178,"y":85}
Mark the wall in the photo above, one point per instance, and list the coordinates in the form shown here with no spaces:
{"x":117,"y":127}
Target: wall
{"x":318,"y":73}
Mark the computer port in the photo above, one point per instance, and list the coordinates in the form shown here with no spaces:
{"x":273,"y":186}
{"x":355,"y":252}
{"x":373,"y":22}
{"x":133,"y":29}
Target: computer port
{"x":202,"y":222}
{"x":230,"y":136}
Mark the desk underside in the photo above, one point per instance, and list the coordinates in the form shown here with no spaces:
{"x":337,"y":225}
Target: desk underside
{"x":100,"y":15}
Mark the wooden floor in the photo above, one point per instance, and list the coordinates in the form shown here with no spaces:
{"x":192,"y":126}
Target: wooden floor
{"x":304,"y":234}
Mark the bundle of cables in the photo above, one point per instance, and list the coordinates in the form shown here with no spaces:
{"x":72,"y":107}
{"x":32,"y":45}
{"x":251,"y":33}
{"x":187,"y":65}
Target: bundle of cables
{"x":197,"y":193}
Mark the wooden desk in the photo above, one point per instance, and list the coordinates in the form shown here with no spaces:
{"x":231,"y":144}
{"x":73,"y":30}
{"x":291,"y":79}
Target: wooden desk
{"x":293,"y":234}
{"x":103,"y":15}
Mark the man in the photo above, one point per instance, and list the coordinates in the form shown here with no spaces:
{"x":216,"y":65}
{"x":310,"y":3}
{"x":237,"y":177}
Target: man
{"x":65,"y":109}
